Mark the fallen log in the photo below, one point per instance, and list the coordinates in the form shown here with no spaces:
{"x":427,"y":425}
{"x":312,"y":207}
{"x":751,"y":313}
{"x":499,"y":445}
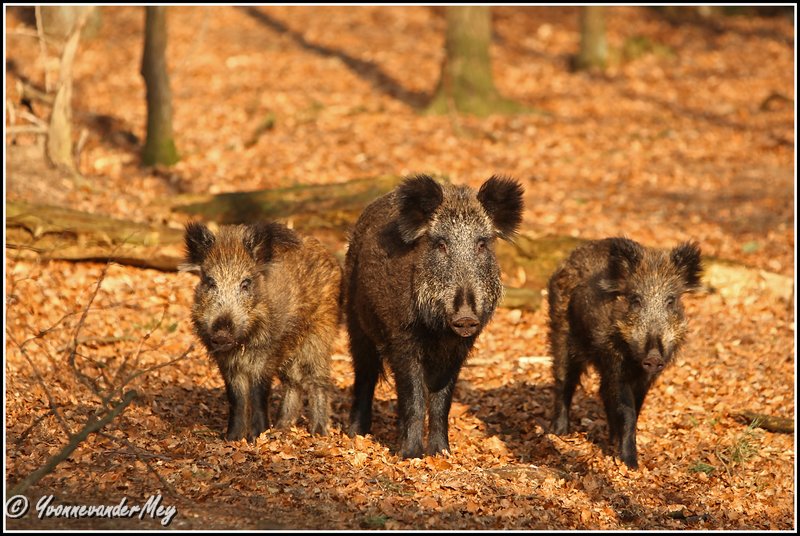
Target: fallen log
{"x":326,"y":211}
{"x":770,"y":423}
{"x":60,"y":233}
{"x":310,"y":207}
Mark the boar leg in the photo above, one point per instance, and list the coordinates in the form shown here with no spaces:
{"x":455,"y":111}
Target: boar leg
{"x":640,"y":389}
{"x":319,"y":408}
{"x":236,"y":389}
{"x":292,"y":399}
{"x":620,"y":406}
{"x":367,"y":367}
{"x":438,"y":412}
{"x":259,"y":400}
{"x":411,"y":406}
{"x":568,"y":370}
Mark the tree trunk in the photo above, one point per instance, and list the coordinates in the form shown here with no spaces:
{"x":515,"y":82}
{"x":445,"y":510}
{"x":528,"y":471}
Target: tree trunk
{"x":594,"y":50}
{"x":465,"y":83}
{"x":60,"y":21}
{"x":159,"y":147}
{"x":59,"y":131}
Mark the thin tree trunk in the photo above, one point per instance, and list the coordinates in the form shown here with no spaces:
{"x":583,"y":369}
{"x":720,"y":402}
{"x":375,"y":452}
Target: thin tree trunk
{"x":160,"y":145}
{"x":60,"y":21}
{"x":594,"y":49}
{"x":59,"y":132}
{"x":465,"y":83}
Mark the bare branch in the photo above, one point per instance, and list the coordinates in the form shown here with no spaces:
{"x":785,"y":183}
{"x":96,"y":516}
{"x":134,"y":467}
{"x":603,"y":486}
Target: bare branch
{"x":74,"y":346}
{"x":135,"y":375}
{"x":92,"y":426}
{"x":142,"y":457}
{"x":42,"y":47}
{"x":51,"y":401}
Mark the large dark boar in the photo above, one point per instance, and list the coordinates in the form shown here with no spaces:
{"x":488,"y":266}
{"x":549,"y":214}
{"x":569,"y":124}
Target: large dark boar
{"x":617,"y":304}
{"x":421,"y":281}
{"x":267,"y":305}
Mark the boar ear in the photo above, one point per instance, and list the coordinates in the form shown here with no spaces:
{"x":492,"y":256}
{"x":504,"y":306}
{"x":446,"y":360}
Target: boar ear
{"x":501,"y":197}
{"x":199,"y":240}
{"x":266,"y":239}
{"x":686,"y":258}
{"x":418,"y":198}
{"x":623,"y":256}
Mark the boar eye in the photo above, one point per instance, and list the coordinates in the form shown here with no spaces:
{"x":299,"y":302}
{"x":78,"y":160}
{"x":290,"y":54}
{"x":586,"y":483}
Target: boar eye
{"x":635,"y":301}
{"x":209,"y":281}
{"x":480,"y":246}
{"x":670,"y":301}
{"x":246,"y":284}
{"x":441,"y":246}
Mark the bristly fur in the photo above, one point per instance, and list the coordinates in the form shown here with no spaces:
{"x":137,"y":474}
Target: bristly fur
{"x":421,"y":282}
{"x":686,"y":258}
{"x":616,"y":304}
{"x":418,"y":198}
{"x":502,"y":199}
{"x":624,"y":254}
{"x":267,"y":304}
{"x":199,"y":240}
{"x":265,"y":239}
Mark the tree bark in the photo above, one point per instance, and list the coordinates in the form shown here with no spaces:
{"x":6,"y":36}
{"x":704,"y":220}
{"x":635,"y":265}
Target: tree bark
{"x":770,"y":423}
{"x":466,"y":84}
{"x":594,"y":49}
{"x":160,"y":145}
{"x":60,"y":21}
{"x":59,"y":131}
{"x":59,"y":233}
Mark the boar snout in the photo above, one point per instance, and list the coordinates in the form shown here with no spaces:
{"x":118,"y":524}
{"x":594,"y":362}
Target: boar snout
{"x":464,"y":322}
{"x":654,"y":362}
{"x":222,"y":334}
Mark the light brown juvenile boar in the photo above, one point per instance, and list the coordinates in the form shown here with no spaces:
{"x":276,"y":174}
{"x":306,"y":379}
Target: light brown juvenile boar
{"x":267,"y":305}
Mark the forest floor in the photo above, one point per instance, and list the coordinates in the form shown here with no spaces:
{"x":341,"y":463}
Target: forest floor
{"x":689,"y":135}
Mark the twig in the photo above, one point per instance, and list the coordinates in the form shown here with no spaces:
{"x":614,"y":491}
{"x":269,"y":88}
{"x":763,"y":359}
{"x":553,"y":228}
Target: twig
{"x":16,"y":130}
{"x":42,"y":47}
{"x":51,"y":402}
{"x":28,"y":430}
{"x":33,"y":119}
{"x":91,"y":426}
{"x":74,"y":346}
{"x":98,"y":341}
{"x":148,"y":370}
{"x":30,"y":33}
{"x":141,"y":343}
{"x":142,"y":457}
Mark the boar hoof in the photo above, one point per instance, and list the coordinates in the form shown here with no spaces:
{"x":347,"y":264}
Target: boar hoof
{"x":319,"y":429}
{"x":561,"y":427}
{"x":411,"y":452}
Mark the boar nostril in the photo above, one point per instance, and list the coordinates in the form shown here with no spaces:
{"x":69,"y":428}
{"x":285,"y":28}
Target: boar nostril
{"x":465,"y":325}
{"x":222,"y":339}
{"x":653,"y":364}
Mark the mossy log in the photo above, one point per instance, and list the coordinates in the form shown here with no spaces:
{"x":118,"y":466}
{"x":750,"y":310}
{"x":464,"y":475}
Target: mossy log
{"x":326,"y":211}
{"x":310,"y":207}
{"x":770,"y":423}
{"x":59,"y":233}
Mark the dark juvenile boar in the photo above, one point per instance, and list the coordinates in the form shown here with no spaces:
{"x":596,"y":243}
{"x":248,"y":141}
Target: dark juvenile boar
{"x":267,"y":304}
{"x":617,"y":304}
{"x":421,"y":281}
